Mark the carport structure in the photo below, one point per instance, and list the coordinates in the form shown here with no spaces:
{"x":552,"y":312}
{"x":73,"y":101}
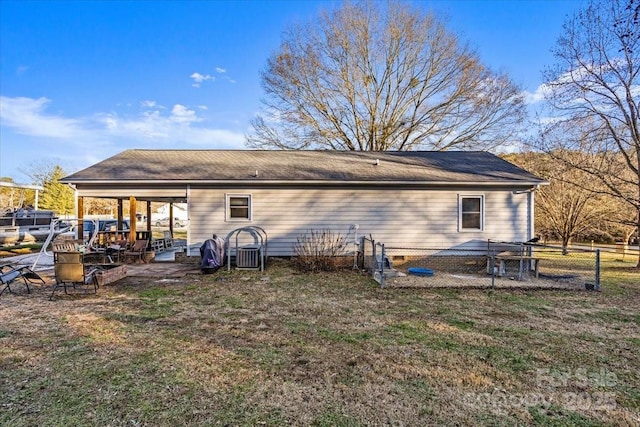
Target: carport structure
{"x":135,"y":196}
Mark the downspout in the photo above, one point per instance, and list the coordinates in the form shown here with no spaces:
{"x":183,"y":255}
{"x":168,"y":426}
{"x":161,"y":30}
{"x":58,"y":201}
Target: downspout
{"x":531,"y":218}
{"x":532,"y":208}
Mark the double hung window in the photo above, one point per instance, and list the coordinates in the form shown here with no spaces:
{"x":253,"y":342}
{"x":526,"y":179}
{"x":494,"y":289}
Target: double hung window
{"x":470,"y":212}
{"x":238,"y":207}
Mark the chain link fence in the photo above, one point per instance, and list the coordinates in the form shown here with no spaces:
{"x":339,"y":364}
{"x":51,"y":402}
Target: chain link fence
{"x":495,"y":265}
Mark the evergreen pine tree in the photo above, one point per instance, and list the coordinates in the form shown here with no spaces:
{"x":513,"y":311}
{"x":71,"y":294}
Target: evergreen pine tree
{"x":56,"y":196}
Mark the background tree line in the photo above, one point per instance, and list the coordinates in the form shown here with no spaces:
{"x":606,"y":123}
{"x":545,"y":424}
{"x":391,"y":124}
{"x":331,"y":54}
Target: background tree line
{"x":566,"y":211}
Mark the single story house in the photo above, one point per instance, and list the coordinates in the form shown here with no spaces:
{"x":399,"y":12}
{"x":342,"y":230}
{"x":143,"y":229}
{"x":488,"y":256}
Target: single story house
{"x":404,"y":199}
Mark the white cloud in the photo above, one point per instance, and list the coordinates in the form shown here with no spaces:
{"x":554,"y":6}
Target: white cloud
{"x":181,"y":114}
{"x":150,"y":104}
{"x":595,"y":79}
{"x":84,"y":140}
{"x":148,"y":126}
{"x":29,"y":131}
{"x":199,"y":78}
{"x":536,"y":96}
{"x":28,"y":117}
{"x":180,"y":129}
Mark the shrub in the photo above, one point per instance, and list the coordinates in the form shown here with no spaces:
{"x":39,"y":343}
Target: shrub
{"x":319,"y":250}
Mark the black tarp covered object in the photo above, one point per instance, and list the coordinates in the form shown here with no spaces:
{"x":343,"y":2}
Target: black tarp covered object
{"x":212,"y":253}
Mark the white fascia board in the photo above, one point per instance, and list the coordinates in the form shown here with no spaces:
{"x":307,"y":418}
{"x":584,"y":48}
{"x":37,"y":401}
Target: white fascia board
{"x":317,"y":182}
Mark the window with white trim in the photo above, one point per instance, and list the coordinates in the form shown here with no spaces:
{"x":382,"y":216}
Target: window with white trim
{"x":470,"y":212}
{"x":238,"y":207}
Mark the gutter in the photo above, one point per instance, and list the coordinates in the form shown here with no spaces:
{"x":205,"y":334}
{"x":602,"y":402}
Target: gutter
{"x":249,"y":182}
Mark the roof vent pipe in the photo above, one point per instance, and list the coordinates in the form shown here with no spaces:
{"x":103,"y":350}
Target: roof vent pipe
{"x":377,"y":162}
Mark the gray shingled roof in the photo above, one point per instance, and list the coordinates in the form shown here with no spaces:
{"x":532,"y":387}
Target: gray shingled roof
{"x":231,"y":166}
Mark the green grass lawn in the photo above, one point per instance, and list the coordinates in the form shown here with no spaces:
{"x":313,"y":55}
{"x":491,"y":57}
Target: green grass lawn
{"x":284,"y":348}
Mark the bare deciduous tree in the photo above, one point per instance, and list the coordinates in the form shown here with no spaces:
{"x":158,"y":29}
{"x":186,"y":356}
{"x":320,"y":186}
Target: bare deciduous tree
{"x":376,"y":76}
{"x":95,"y":206}
{"x":564,"y":210}
{"x":9,"y":197}
{"x":594,"y":95}
{"x":623,"y":221}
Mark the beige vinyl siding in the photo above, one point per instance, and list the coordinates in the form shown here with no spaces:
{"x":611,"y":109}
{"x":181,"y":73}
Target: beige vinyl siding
{"x":398,"y":217}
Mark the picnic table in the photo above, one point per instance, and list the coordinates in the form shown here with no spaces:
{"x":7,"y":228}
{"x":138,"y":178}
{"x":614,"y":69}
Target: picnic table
{"x":525,"y":263}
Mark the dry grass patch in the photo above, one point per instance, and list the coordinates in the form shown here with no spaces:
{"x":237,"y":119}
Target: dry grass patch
{"x":326,"y":349}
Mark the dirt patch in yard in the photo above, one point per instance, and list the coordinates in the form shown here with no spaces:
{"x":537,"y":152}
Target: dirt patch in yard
{"x":162,"y":269}
{"x":474,"y":281}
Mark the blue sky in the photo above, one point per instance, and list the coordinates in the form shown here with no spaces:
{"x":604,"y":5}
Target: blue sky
{"x":83,"y":80}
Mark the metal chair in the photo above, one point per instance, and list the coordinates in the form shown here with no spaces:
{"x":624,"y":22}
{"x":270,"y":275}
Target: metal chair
{"x":116,"y":249}
{"x":138,"y":250}
{"x":70,"y":270}
{"x":9,"y":274}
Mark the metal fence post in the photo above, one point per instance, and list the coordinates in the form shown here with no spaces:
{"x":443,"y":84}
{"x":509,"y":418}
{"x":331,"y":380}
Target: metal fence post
{"x":373,"y":259}
{"x":382,"y":258}
{"x":374,"y":262}
{"x":492,"y":266}
{"x":597,"y":284}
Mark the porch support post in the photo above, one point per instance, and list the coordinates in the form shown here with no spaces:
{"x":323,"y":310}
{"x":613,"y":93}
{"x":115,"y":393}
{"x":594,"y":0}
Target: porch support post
{"x":171,"y":218}
{"x":149,"y":217}
{"x":132,"y":218}
{"x":119,"y":215}
{"x":80,"y":213}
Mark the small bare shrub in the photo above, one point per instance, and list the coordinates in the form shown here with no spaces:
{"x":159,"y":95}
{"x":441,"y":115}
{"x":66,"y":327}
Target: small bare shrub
{"x":319,"y":250}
